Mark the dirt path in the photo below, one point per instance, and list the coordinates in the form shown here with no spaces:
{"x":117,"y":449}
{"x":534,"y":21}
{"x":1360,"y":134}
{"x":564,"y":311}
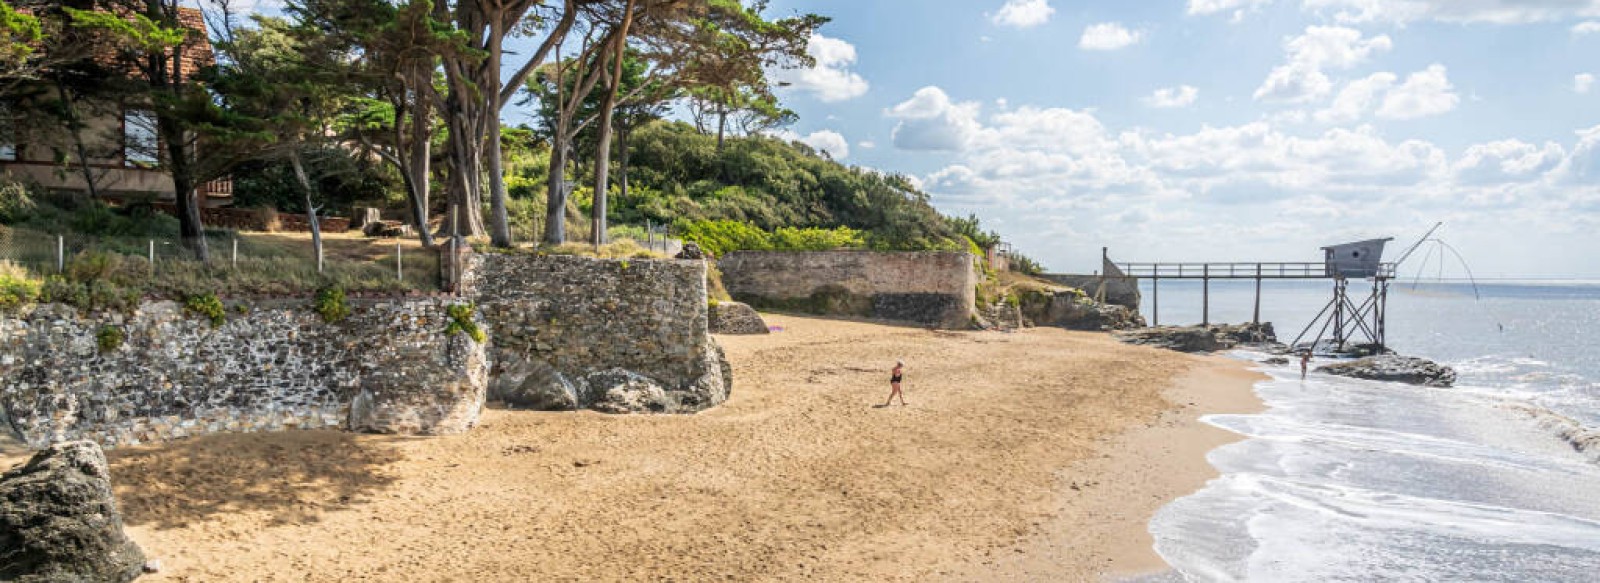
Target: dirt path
{"x":797,"y":477}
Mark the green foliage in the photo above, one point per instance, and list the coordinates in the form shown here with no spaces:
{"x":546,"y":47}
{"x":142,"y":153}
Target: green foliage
{"x":109,"y":338}
{"x":1025,"y":265}
{"x":16,"y":202}
{"x":208,"y":306}
{"x":16,"y":287}
{"x":330,"y":304}
{"x":461,"y":322}
{"x":18,"y":34}
{"x":720,"y":237}
{"x":341,"y":181}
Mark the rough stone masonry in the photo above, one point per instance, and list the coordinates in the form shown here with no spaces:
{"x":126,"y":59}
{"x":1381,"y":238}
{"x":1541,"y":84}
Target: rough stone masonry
{"x":562,"y":333}
{"x":934,"y":288}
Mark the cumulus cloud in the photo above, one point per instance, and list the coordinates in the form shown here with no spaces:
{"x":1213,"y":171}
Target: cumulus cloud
{"x":1108,"y":36}
{"x":1301,"y":79}
{"x":1357,"y":98}
{"x":930,"y":121}
{"x":1582,"y":82}
{"x":1173,"y":97}
{"x":1424,"y":93}
{"x":1589,"y":27}
{"x":831,"y":79}
{"x":1461,"y":11}
{"x":1023,"y":13}
{"x":829,"y":141}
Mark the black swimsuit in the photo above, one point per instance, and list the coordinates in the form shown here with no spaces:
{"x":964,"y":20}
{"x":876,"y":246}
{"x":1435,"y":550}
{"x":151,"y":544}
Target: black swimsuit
{"x":894,"y":379}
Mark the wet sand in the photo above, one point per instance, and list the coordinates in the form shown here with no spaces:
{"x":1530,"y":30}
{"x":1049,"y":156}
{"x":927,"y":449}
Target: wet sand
{"x":1036,"y":455}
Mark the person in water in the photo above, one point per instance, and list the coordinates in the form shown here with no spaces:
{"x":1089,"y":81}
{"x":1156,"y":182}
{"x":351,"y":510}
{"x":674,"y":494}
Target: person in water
{"x":894,"y":384}
{"x":1305,"y":360}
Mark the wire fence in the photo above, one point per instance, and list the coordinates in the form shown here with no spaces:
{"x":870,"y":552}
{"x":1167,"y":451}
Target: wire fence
{"x":243,"y":263}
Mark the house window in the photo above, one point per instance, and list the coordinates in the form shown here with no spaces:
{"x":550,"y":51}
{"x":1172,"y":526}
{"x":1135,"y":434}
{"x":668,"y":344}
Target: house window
{"x":140,"y":146}
{"x":8,"y":134}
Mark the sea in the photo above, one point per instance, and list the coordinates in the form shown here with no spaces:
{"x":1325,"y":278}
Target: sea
{"x":1494,"y":479}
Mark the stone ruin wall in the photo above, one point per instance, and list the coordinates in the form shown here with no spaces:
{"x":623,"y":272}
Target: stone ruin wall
{"x":933,"y":288}
{"x":609,"y":334}
{"x":625,"y":336}
{"x":388,"y":368}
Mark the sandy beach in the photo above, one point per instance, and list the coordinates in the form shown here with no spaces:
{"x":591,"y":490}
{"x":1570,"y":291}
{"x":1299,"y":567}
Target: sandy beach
{"x":1036,"y":455}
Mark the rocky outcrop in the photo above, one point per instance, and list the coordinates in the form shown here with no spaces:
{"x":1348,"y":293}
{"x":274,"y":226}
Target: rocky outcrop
{"x":1079,"y":314}
{"x":1395,"y":368}
{"x":1202,"y":338}
{"x":431,"y":393}
{"x":735,"y":318}
{"x":691,"y":250}
{"x":59,"y":521}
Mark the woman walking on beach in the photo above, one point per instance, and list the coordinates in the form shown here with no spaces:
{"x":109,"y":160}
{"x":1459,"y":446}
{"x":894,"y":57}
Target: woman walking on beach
{"x":1305,"y":360}
{"x":894,"y":384}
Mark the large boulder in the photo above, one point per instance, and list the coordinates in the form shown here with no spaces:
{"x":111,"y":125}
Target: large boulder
{"x":1178,"y":338}
{"x":59,"y":521}
{"x":1396,"y":368}
{"x":534,"y":384}
{"x":735,"y":318}
{"x":622,"y":391}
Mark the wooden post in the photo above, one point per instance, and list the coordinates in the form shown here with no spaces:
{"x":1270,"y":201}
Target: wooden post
{"x":235,"y":253}
{"x":1155,"y":297}
{"x":1205,"y":295}
{"x":399,"y":263}
{"x":1256,"y":319}
{"x":61,"y":254}
{"x":152,"y":257}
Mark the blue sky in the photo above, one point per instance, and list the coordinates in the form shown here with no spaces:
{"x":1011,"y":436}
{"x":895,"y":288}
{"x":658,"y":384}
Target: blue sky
{"x":1225,"y":130}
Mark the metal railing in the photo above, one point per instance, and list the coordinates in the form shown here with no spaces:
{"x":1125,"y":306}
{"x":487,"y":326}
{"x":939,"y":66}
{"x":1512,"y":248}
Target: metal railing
{"x":1240,"y":270}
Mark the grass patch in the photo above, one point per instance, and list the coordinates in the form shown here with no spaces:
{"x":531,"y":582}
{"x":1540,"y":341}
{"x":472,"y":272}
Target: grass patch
{"x":17,"y":287}
{"x":207,"y":306}
{"x":108,"y":338}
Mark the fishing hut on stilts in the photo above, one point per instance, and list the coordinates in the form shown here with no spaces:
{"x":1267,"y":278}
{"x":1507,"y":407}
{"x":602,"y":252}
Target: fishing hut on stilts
{"x":1345,"y":264}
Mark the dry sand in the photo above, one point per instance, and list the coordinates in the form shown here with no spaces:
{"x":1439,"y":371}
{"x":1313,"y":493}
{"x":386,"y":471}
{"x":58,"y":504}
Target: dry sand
{"x":1035,"y":455}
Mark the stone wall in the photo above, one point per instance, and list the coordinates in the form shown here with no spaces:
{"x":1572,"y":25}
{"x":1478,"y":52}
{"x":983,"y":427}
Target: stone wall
{"x":612,"y":335}
{"x":932,"y":288}
{"x":388,"y":368}
{"x":1119,"y":292}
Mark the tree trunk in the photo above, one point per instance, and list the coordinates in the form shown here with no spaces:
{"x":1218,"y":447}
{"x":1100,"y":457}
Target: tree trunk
{"x":311,"y":209}
{"x":499,"y":218}
{"x":608,"y":106}
{"x":555,"y":208}
{"x":70,"y":109}
{"x":421,"y":157}
{"x":183,"y":187}
{"x":722,"y":125}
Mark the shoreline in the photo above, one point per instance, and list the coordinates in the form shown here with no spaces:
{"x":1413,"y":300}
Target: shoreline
{"x":1100,"y":527}
{"x":800,"y":475}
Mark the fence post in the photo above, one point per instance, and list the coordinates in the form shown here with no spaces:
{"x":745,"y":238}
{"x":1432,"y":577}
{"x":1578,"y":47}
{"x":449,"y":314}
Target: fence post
{"x":399,"y":263}
{"x":61,"y":254}
{"x":235,"y":253}
{"x":152,"y":257}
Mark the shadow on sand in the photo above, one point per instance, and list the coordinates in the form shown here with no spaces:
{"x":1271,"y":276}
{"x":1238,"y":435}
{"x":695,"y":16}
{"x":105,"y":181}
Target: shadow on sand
{"x":293,"y":477}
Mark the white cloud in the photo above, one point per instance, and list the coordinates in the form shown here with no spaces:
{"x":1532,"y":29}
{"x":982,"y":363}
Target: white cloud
{"x":1173,"y":97}
{"x":1582,"y":82}
{"x":1590,"y":27}
{"x":1023,"y":13}
{"x":1302,"y":79}
{"x":1215,"y":6}
{"x":1357,"y":98}
{"x":1108,"y":36}
{"x":929,"y":121}
{"x":831,"y":79}
{"x":1424,"y":93}
{"x":1462,"y":11}
{"x":866,"y":144}
{"x":828,"y":141}
{"x":1506,"y":161}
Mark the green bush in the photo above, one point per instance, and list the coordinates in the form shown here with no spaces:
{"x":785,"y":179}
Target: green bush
{"x":16,"y":202}
{"x":109,"y":338}
{"x":208,"y":306}
{"x":16,"y":286}
{"x":330,"y":304}
{"x":461,"y":322}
